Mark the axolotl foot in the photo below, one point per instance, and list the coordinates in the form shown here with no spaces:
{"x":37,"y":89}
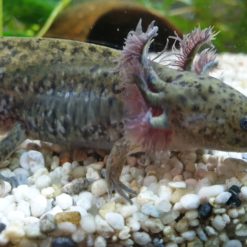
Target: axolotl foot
{"x":115,"y":162}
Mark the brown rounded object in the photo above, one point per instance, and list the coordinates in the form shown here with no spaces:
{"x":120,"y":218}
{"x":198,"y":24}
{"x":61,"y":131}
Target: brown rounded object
{"x":108,"y":23}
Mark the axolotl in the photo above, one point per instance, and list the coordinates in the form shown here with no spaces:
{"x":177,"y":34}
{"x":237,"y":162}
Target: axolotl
{"x":84,"y":95}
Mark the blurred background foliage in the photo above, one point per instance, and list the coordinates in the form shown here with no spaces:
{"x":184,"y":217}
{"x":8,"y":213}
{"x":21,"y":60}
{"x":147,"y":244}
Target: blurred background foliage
{"x":33,"y":17}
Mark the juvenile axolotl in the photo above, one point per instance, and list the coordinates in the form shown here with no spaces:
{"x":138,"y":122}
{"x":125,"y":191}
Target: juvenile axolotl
{"x":84,"y":95}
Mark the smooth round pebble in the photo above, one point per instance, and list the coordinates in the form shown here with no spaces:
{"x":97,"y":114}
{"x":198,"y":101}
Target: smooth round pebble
{"x":233,"y":243}
{"x":99,"y":187}
{"x":21,"y":175}
{"x":150,"y":210}
{"x":164,"y":206}
{"x":32,"y":160}
{"x":223,"y":197}
{"x":102,"y":226}
{"x":84,"y":200}
{"x":244,"y":192}
{"x":189,"y":235}
{"x":177,"y":185}
{"x":43,"y":181}
{"x":211,"y":191}
{"x":218,"y":223}
{"x":88,"y":223}
{"x":32,"y":228}
{"x":100,"y":242}
{"x":115,"y":220}
{"x":63,"y":242}
{"x":5,"y":188}
{"x":38,"y":205}
{"x":47,"y":223}
{"x":64,"y":201}
{"x":190,"y":201}
{"x":141,"y":238}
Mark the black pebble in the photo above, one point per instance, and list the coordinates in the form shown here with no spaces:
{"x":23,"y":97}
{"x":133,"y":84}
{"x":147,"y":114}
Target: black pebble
{"x":63,"y":242}
{"x":2,"y":226}
{"x":234,"y":190}
{"x":234,"y":201}
{"x":205,"y":210}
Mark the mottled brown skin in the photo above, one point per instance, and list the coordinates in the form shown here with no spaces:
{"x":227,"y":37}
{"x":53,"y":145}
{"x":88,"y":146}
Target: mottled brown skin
{"x":70,"y":93}
{"x":202,"y":111}
{"x":61,"y":91}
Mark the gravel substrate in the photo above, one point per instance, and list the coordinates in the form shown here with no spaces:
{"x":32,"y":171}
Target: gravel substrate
{"x":184,"y":199}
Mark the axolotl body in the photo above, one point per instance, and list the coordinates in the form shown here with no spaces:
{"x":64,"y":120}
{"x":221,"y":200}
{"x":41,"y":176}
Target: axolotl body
{"x":84,"y":95}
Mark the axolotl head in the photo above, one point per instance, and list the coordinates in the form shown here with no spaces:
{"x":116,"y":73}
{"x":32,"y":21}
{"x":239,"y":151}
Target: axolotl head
{"x":196,"y":112}
{"x":180,"y":109}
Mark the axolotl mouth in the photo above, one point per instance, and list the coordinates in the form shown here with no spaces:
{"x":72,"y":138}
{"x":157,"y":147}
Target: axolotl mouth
{"x":184,"y":108}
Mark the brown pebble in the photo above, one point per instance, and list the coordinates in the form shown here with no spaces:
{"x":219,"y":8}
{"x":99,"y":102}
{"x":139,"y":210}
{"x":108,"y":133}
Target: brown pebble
{"x":79,"y":155}
{"x":72,"y":217}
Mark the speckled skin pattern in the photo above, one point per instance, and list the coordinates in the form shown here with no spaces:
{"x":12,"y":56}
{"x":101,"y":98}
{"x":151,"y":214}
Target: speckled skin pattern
{"x":70,"y":93}
{"x":202,"y":111}
{"x":63,"y":92}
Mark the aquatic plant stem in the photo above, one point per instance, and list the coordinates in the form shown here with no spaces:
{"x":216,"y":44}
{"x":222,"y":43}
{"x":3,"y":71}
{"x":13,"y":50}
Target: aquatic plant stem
{"x":62,"y":4}
{"x":1,"y":18}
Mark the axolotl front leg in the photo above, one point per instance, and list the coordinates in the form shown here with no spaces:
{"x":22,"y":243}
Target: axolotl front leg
{"x":14,"y":137}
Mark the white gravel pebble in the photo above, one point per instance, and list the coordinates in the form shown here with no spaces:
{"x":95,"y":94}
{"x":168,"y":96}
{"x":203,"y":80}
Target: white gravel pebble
{"x":32,"y":227}
{"x":223,"y":197}
{"x":133,"y":224}
{"x":38,"y":205}
{"x":177,"y":185}
{"x":66,"y":227}
{"x":88,"y":224}
{"x":244,"y":192}
{"x":100,"y":242}
{"x":233,"y":243}
{"x":211,"y":191}
{"x":116,"y":220}
{"x":124,"y":233}
{"x":24,"y":192}
{"x":127,"y":210}
{"x":84,"y":200}
{"x":141,"y":238}
{"x":150,"y":210}
{"x":92,"y":175}
{"x":164,"y":206}
{"x":24,"y":207}
{"x":43,"y":181}
{"x":165,"y":193}
{"x":99,"y":187}
{"x":190,"y":201}
{"x":64,"y":201}
{"x":21,"y":175}
{"x":48,"y":192}
{"x":32,"y":160}
{"x":189,"y":235}
{"x":5,"y":188}
{"x":218,"y":223}
{"x":102,"y":226}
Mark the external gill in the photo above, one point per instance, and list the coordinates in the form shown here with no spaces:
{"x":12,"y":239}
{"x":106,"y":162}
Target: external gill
{"x":189,"y":46}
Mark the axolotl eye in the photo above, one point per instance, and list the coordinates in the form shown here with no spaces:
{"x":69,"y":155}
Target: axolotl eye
{"x":243,"y":123}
